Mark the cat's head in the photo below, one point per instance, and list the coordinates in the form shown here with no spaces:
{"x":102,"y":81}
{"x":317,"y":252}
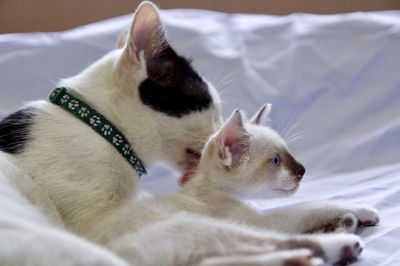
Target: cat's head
{"x":179,"y":108}
{"x":249,"y":158}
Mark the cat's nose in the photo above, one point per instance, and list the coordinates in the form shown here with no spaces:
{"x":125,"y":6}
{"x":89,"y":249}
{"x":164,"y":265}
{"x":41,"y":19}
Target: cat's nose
{"x":300,"y":172}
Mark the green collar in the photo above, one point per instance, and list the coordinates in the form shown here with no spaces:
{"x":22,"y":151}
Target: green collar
{"x":98,"y":123}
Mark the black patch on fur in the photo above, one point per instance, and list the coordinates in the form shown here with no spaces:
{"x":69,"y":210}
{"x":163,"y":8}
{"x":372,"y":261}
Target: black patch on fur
{"x":14,"y":131}
{"x":172,"y":86}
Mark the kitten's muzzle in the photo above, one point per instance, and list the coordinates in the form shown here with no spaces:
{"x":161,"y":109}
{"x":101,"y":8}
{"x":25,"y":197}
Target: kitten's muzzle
{"x":296,"y":168}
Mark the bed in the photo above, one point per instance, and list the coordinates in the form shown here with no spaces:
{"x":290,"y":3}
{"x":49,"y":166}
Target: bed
{"x":334,"y":81}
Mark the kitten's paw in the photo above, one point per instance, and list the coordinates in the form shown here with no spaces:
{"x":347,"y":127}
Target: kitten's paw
{"x":366,"y":215}
{"x":341,"y":249}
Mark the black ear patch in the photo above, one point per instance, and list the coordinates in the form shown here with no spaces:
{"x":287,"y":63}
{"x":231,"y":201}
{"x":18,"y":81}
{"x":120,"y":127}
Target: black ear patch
{"x":14,"y":131}
{"x":172,"y":86}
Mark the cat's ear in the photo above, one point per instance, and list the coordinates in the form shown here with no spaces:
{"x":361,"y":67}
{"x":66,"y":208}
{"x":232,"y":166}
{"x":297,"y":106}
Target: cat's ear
{"x":232,"y":141}
{"x":146,"y":33}
{"x":261,"y":116}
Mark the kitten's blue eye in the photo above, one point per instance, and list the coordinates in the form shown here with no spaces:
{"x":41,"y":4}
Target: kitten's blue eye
{"x":275,"y":160}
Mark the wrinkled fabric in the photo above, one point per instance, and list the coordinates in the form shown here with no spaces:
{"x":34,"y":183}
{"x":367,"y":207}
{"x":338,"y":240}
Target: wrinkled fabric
{"x":334,"y":81}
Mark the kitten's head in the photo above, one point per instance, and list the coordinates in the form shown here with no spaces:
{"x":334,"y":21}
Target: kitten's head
{"x":180,"y":107}
{"x":249,"y":158}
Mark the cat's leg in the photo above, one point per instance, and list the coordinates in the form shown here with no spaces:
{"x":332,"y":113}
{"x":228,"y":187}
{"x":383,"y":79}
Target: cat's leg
{"x":186,"y":239}
{"x":338,"y":249}
{"x":348,"y":223}
{"x":326,"y":217}
{"x":311,"y":218}
{"x":296,"y":257}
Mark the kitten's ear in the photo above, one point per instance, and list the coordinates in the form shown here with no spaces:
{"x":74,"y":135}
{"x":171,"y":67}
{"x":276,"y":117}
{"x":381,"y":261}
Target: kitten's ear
{"x":232,"y":141}
{"x":146,"y":33}
{"x":261,"y":116}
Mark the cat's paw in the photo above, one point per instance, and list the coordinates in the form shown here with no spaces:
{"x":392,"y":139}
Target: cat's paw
{"x":366,"y":215}
{"x":341,"y":249}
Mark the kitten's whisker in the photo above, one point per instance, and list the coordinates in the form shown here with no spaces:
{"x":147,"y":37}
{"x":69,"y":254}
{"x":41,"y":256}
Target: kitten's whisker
{"x":284,"y":130}
{"x":295,"y":136}
{"x":279,"y":127}
{"x":290,"y":125}
{"x":294,"y":139}
{"x":293,"y":127}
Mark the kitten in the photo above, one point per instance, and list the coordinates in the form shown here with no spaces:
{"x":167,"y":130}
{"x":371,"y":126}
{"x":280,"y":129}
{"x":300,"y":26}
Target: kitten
{"x":231,"y":163}
{"x":247,"y":158}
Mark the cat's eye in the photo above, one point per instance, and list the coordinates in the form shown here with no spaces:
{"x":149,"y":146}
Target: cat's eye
{"x":276,"y":160}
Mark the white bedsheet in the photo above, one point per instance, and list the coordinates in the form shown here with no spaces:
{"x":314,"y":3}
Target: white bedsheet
{"x":335,"y":79}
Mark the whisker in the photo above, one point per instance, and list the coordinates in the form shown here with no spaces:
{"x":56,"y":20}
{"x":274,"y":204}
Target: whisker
{"x":284,"y":130}
{"x":295,"y":136}
{"x":292,"y":128}
{"x":279,"y":127}
{"x":294,"y":139}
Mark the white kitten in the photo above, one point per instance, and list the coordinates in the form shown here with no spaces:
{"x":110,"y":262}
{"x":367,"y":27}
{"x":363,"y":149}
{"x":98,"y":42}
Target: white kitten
{"x":244,"y":158}
{"x":232,"y":162}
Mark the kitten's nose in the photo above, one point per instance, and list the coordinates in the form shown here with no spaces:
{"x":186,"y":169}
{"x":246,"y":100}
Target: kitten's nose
{"x":300,"y":172}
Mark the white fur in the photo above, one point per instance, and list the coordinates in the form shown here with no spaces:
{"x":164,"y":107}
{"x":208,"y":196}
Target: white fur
{"x":31,"y":231}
